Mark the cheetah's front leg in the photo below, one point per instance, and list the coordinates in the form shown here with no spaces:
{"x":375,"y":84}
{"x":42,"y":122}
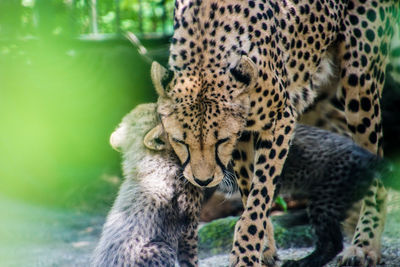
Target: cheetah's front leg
{"x":254,"y":229}
{"x":243,"y":165}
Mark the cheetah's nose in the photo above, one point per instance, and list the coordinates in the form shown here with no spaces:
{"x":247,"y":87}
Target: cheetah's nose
{"x":203,"y":183}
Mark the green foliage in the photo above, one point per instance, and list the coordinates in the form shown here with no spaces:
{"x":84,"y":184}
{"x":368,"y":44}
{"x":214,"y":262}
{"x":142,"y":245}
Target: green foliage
{"x":59,"y":103}
{"x":281,"y":202}
{"x":152,"y":16}
{"x":61,"y":98}
{"x":393,"y":177}
{"x":216,"y":237}
{"x":60,"y":17}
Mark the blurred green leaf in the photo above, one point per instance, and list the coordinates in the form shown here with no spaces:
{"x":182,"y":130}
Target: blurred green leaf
{"x":281,"y":202}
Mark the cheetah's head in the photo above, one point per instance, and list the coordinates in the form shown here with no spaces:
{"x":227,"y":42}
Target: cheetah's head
{"x":203,"y":113}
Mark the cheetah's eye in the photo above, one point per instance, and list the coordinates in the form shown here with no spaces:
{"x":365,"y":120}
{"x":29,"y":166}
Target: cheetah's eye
{"x":220,"y":141}
{"x":176,"y":140}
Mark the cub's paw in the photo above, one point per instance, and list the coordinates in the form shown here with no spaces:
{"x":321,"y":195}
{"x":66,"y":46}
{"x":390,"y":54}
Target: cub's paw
{"x":356,"y":256}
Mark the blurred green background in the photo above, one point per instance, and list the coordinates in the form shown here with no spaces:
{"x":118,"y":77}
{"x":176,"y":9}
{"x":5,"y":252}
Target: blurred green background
{"x":67,"y":77}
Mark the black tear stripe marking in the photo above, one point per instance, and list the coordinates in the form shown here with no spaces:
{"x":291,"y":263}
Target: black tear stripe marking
{"x":188,"y":158}
{"x":218,"y":161}
{"x":188,"y":152}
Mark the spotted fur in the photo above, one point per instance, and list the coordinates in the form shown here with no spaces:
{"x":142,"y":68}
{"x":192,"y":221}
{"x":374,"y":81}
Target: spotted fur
{"x":153,"y":221}
{"x":328,"y":112}
{"x":332,"y":172}
{"x":255,"y":66}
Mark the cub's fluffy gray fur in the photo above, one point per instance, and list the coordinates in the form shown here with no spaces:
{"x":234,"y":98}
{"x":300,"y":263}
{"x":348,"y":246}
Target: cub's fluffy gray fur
{"x":154,"y":219}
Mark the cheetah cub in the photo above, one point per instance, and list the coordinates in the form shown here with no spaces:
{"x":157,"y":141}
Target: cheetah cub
{"x":154,"y":219}
{"x":333,"y":173}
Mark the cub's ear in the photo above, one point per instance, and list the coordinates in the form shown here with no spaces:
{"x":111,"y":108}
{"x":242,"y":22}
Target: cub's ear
{"x":161,"y":77}
{"x":245,"y":72}
{"x":155,"y":139}
{"x":118,"y":138}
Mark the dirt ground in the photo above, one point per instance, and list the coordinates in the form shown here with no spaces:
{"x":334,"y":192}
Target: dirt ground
{"x":37,"y":236}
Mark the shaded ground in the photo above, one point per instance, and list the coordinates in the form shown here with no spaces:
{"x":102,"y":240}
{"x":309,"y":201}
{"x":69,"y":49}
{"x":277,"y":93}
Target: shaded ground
{"x":36,"y":236}
{"x":295,"y":243}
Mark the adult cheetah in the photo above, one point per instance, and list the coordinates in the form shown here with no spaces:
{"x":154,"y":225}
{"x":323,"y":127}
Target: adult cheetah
{"x":255,"y":66}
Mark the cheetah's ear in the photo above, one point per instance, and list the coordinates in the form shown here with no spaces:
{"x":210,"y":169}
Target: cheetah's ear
{"x":161,"y":77}
{"x":155,"y":139}
{"x":245,"y":72}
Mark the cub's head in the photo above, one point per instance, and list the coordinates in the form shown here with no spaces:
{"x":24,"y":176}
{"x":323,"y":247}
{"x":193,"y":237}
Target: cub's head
{"x":203,"y":113}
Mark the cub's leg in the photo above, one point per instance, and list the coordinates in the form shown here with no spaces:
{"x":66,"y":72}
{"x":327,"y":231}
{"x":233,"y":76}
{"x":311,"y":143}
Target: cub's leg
{"x":187,"y":249}
{"x":326,"y":210}
{"x":329,"y":242}
{"x":156,"y":254}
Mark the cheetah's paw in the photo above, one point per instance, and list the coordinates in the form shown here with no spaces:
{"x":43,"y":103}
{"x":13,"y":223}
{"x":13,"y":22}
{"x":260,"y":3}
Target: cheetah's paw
{"x":356,"y":256}
{"x":270,"y":261}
